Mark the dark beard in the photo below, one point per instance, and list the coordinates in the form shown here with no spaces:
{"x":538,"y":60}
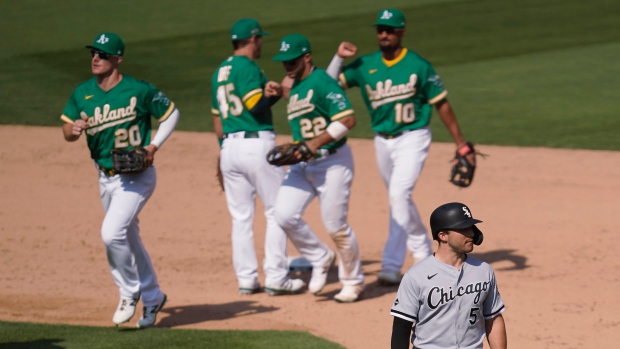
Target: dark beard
{"x":388,"y":49}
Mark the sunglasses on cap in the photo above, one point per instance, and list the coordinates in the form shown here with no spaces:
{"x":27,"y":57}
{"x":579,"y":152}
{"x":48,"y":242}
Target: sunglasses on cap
{"x":101,"y":54}
{"x":388,"y":30}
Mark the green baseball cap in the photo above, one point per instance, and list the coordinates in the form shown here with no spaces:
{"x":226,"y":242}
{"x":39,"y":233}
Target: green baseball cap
{"x":390,"y":17}
{"x":293,"y":46}
{"x":246,"y":28}
{"x":109,"y":43}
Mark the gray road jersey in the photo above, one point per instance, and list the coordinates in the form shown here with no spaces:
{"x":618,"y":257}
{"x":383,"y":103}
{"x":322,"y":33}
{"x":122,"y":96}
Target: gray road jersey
{"x":449,"y":306}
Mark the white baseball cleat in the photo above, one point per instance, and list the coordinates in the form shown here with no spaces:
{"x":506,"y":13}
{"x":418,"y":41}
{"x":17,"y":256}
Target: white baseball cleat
{"x":249,"y":289}
{"x":150,"y":314}
{"x":319,"y":274}
{"x":125,"y":311}
{"x":349,"y":294}
{"x":290,"y":286}
{"x":389,"y":278}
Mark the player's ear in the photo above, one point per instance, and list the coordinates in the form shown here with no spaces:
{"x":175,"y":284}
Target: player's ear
{"x":442,"y":236}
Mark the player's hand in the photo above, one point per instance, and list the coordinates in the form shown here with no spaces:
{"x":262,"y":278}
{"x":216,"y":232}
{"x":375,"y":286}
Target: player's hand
{"x":79,"y":126}
{"x":150,"y":153}
{"x":287,"y":85}
{"x":273,"y":89}
{"x":346,"y":50}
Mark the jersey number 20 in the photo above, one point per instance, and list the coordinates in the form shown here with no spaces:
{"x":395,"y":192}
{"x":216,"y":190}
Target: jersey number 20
{"x":126,"y":137}
{"x":404,"y":113}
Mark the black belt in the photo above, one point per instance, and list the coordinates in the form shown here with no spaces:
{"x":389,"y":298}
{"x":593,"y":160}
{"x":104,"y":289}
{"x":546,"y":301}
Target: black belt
{"x":390,"y":136}
{"x":321,"y":152}
{"x":106,"y":171}
{"x":246,"y":135}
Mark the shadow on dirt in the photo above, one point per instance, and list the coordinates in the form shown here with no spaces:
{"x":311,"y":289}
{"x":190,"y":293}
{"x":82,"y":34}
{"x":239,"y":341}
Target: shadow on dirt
{"x":519,"y":262}
{"x":193,"y":314}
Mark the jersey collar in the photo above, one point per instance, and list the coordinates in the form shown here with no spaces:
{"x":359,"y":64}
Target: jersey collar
{"x":395,"y":60}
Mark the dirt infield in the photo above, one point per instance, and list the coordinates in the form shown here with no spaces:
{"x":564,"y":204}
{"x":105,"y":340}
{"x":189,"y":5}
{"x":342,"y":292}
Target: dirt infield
{"x":547,"y":221}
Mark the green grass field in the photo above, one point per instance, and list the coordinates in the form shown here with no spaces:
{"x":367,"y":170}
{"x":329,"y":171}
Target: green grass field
{"x":39,"y":336}
{"x":530,"y":73}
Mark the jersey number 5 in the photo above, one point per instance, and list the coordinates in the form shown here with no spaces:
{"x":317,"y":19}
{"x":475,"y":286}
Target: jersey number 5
{"x":225,"y":97}
{"x":473,"y":314}
{"x":404,"y":113}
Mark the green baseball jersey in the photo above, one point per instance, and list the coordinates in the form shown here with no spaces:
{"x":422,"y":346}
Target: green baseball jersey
{"x":237,"y":80}
{"x":119,"y":118}
{"x":399,"y":94}
{"x":313,"y":104}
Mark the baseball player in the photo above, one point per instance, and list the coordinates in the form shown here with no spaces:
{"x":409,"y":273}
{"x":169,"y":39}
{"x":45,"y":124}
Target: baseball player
{"x":114,"y":110}
{"x":243,"y":122}
{"x":399,"y":88}
{"x":451,"y":296}
{"x":320,"y":114}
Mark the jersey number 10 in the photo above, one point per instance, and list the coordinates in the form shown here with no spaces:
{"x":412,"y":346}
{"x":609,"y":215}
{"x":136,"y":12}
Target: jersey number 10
{"x":404,"y":113}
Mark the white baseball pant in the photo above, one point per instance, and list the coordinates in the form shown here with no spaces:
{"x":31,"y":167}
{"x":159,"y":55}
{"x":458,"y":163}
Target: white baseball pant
{"x":330,"y":179}
{"x":123,"y":197}
{"x":400,"y":161}
{"x":247,"y":173}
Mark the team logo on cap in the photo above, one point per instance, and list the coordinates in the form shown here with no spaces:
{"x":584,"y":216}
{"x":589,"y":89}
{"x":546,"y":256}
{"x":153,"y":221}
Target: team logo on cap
{"x":466,"y":212}
{"x":284,"y":46}
{"x":255,"y":31}
{"x":386,"y":15}
{"x":103,"y":39}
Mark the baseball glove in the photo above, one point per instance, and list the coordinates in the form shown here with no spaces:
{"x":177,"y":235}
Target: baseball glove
{"x":463,"y":171}
{"x":288,"y":154}
{"x":219,"y":175}
{"x":131,"y":161}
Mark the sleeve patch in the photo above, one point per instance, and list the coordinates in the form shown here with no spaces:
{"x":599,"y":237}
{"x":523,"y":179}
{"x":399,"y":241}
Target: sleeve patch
{"x":338,"y":99}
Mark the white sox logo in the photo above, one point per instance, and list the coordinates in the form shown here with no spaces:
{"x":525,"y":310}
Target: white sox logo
{"x":466,"y":212}
{"x":386,"y":15}
{"x":438,"y":296}
{"x":103,"y":39}
{"x":284,"y":46}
